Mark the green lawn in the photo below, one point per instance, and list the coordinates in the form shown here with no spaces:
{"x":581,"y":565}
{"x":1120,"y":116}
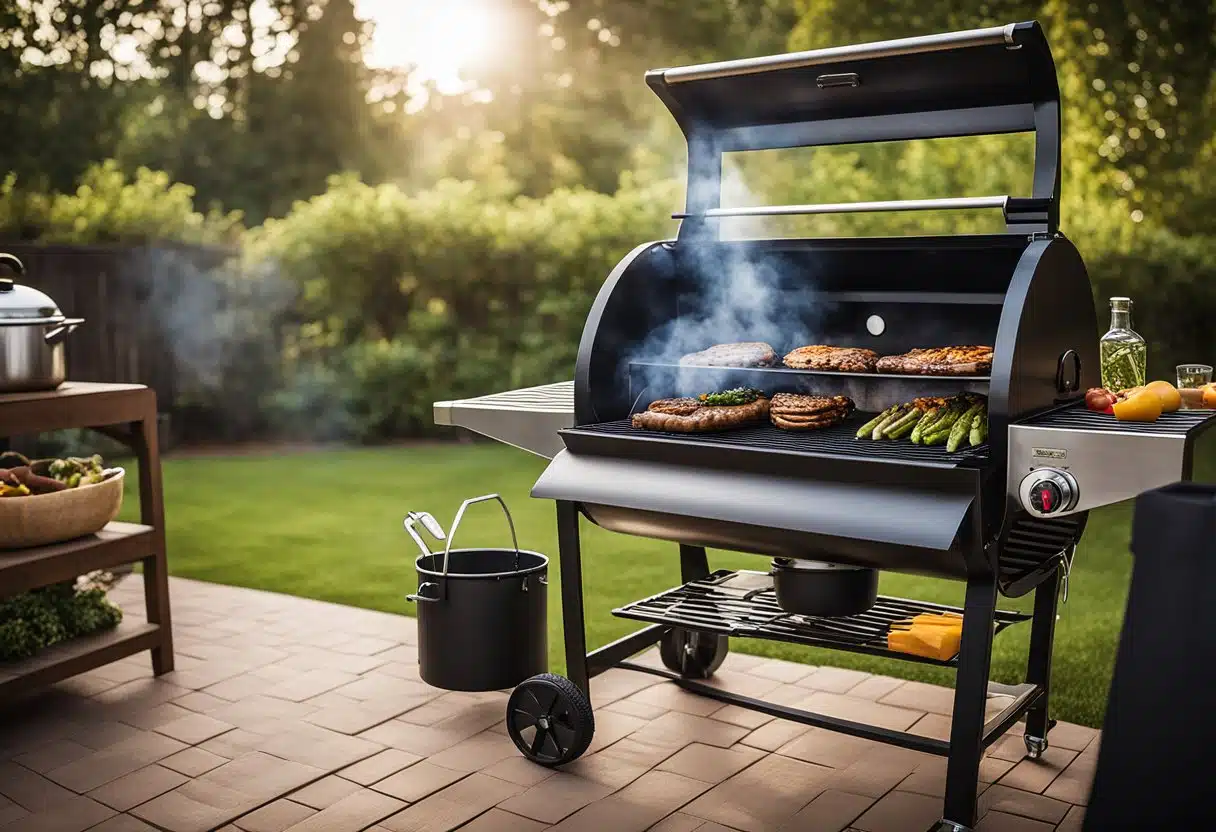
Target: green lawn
{"x":328,"y":525}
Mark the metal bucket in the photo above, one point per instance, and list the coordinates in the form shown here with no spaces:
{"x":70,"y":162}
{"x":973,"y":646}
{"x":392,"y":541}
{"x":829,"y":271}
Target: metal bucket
{"x":482,"y":613}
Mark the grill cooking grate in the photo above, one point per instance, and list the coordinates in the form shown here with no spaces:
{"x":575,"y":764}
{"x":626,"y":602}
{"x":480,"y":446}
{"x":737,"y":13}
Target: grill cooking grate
{"x":744,"y":604}
{"x":835,"y":441}
{"x":1078,"y":417}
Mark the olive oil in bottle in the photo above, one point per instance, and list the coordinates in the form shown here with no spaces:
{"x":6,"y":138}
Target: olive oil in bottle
{"x":1122,"y":351}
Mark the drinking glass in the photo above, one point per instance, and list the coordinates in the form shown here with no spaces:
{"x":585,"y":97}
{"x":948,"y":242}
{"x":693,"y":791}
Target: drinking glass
{"x":1192,"y":376}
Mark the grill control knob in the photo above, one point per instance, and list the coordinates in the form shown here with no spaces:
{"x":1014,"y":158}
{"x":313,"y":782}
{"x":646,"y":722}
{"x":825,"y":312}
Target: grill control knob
{"x":1048,"y":491}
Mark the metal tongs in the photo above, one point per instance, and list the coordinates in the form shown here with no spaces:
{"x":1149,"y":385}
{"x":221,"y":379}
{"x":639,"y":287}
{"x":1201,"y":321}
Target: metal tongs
{"x":429,"y":523}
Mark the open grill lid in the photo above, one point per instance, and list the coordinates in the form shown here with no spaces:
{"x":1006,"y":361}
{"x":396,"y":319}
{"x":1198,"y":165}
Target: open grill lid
{"x":983,"y":81}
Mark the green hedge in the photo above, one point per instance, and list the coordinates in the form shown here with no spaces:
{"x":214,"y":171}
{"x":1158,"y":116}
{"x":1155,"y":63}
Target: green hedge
{"x":459,"y":290}
{"x":1172,"y":281}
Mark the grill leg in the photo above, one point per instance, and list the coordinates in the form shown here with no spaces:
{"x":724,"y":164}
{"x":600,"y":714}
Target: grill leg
{"x":970,"y":697}
{"x":1038,"y":664}
{"x":573,"y":630}
{"x":694,"y":563}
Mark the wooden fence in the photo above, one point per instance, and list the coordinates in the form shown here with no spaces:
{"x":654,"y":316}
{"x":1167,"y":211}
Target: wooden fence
{"x":122,"y":340}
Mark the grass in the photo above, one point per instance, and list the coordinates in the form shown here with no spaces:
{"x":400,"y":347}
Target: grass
{"x":327,"y":525}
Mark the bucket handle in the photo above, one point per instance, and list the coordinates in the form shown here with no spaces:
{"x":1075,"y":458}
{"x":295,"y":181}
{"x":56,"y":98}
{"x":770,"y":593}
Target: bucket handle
{"x":460,"y":514}
{"x":420,"y":594}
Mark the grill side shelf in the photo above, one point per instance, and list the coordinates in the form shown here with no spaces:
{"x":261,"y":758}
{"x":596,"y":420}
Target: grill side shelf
{"x":1077,"y":417}
{"x":743,"y":604}
{"x":528,"y":418}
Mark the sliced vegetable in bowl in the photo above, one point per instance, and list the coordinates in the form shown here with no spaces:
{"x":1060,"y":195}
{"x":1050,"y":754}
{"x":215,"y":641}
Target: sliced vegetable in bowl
{"x":47,"y":476}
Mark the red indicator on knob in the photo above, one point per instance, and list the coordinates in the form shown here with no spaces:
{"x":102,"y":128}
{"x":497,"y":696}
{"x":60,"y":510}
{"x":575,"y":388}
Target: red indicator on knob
{"x":1046,"y":497}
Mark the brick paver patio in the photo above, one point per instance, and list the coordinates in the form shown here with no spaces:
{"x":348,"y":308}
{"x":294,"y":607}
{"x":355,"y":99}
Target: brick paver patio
{"x":293,"y":714}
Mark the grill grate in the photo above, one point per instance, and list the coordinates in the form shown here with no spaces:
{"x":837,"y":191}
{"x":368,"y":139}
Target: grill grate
{"x":744,"y":604}
{"x":782,"y":373}
{"x":835,"y":441}
{"x":1078,"y":417}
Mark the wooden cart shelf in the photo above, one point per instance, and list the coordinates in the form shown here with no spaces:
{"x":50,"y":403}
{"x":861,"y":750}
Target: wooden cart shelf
{"x":116,"y":544}
{"x":127,"y":413}
{"x":68,"y":658}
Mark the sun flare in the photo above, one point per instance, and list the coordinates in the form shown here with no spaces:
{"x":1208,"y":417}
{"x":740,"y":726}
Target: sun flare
{"x":441,"y":39}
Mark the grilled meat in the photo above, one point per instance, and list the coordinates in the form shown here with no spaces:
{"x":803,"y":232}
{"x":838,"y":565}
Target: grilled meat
{"x":939,"y":361}
{"x":841,"y":359}
{"x":797,"y":404}
{"x":690,"y":416}
{"x":792,"y":411}
{"x":676,"y":407}
{"x":818,"y":423}
{"x":747,"y":354}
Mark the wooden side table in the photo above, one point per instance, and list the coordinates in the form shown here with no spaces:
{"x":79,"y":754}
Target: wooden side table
{"x":127,"y":413}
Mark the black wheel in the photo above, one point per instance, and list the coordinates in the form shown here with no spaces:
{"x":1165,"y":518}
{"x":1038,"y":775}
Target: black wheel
{"x":692,"y":654}
{"x":549,"y":719}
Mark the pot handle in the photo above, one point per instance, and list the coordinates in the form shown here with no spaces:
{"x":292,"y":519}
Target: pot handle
{"x":15,"y":266}
{"x":460,"y":514}
{"x":56,"y":335}
{"x":421,"y":596}
{"x":429,"y":523}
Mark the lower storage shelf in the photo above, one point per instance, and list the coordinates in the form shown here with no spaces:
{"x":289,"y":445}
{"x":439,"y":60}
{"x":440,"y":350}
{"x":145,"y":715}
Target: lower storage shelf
{"x":69,"y":658}
{"x":744,"y":604}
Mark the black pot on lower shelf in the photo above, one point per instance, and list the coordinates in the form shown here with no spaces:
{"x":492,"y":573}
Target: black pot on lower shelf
{"x":816,"y":588}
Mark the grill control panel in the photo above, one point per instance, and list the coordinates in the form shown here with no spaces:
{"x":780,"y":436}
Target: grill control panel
{"x":1048,"y":491}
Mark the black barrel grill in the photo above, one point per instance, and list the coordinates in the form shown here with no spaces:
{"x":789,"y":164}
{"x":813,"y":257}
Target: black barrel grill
{"x":824,"y":495}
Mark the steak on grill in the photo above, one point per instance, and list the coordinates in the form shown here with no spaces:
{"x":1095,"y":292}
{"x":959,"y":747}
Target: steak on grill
{"x":793,"y":411}
{"x":841,"y":359}
{"x":747,"y":354}
{"x":940,"y":361}
{"x":690,"y":416}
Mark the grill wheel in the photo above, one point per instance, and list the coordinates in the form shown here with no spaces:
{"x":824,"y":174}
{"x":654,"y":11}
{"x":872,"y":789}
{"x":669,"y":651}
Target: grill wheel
{"x":550,"y":720}
{"x":692,"y":654}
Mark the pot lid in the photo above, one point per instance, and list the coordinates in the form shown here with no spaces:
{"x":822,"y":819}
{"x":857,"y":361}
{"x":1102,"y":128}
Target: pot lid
{"x":802,"y":565}
{"x":23,"y":304}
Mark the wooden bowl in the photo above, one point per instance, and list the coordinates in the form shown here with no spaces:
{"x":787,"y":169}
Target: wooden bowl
{"x":40,"y":519}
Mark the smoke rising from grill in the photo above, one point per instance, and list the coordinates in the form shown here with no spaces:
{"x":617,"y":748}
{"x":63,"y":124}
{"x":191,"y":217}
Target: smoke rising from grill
{"x":220,"y":327}
{"x":736,"y":292}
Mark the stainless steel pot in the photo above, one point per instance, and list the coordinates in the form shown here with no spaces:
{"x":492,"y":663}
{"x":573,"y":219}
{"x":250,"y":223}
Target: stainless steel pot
{"x":32,"y":332}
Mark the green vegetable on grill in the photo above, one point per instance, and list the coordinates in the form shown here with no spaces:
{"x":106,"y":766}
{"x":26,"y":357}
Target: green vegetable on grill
{"x":979,"y":429}
{"x":902,"y":426}
{"x":926,"y":419}
{"x":932,"y":421}
{"x":962,"y":428}
{"x":734,"y":396}
{"x":892,"y":417}
{"x":868,"y":428}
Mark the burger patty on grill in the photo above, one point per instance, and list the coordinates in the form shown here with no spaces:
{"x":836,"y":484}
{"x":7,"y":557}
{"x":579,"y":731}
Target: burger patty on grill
{"x":841,"y":359}
{"x":794,"y":411}
{"x":806,"y":424}
{"x":677,"y":416}
{"x":747,"y":354}
{"x":789,"y":404}
{"x":939,"y":361}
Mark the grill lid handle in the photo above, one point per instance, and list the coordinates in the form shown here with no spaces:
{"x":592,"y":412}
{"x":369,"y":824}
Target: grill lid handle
{"x":1013,"y":207}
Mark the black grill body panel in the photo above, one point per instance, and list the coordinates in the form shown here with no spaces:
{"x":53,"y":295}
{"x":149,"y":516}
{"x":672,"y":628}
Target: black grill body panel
{"x":1030,"y":298}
